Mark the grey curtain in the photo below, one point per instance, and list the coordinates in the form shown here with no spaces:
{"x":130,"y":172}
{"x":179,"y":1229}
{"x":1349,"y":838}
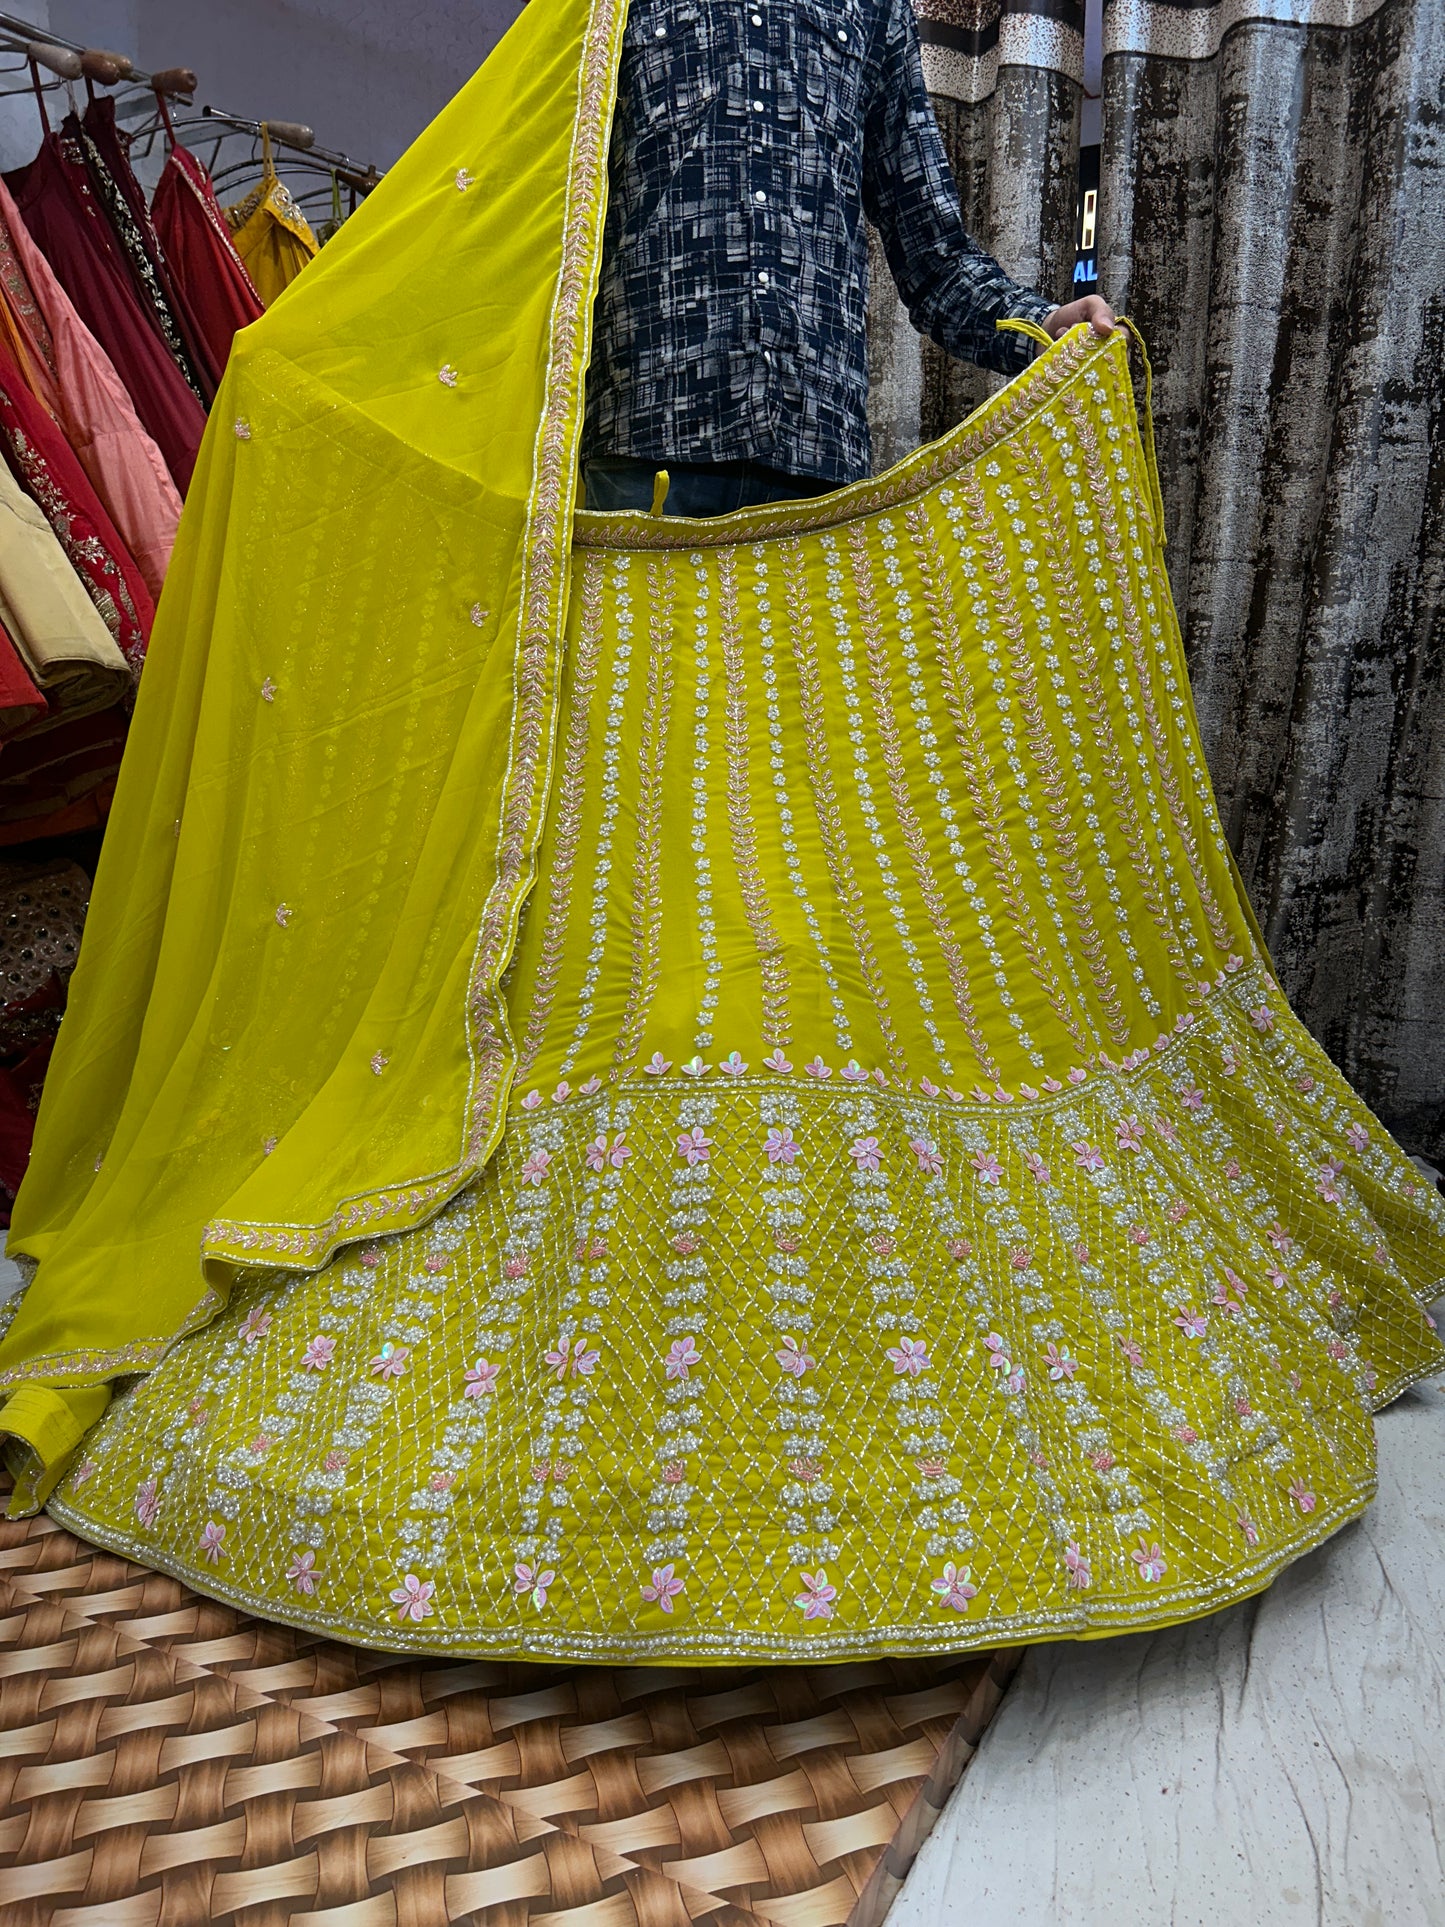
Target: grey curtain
{"x":1273,"y":216}
{"x":1006,"y":77}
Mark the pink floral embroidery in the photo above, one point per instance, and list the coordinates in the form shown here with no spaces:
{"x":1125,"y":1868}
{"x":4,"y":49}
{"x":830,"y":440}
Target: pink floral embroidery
{"x":853,"y":1072}
{"x":1035,"y":1165}
{"x":302,"y":1572}
{"x":932,"y":1468}
{"x":694,"y":1145}
{"x":1302,"y":1496}
{"x":531,"y":1101}
{"x":1167,"y":1129}
{"x":255,"y":1325}
{"x":1139,"y":1234}
{"x":686,"y":1243}
{"x":1089,"y":1157}
{"x":576,"y":1359}
{"x":533,"y":1583}
{"x":910,"y":1356}
{"x":782,"y":1147}
{"x":1010,"y":1374}
{"x":817,"y":1596}
{"x":1243,"y":1408}
{"x":84,"y":1473}
{"x":1150,"y":1561}
{"x":1193,"y":1324}
{"x":481,"y":1378}
{"x":562,"y":1092}
{"x":682,"y":1355}
{"x":1380,"y":1255}
{"x":787,"y":1241}
{"x":817,"y":1069}
{"x":776,"y":1061}
{"x":1262,"y":1019}
{"x":1020,"y":1258}
{"x":664,"y":1588}
{"x":413,"y":1597}
{"x":732,"y":1065}
{"x":1280,"y":1239}
{"x":1327,"y":1187}
{"x":1225,"y":1303}
{"x":955,"y":1587}
{"x":318,"y":1354}
{"x":441,"y":1481}
{"x":260,"y":1445}
{"x":1081,"y":1252}
{"x":517,"y":1266}
{"x":1248,"y":1528}
{"x":1191,"y":1097}
{"x":1077,"y":1075}
{"x":213,"y":1536}
{"x":1060,"y":1364}
{"x":1357,"y":1137}
{"x":390,"y":1361}
{"x":1102,"y":1460}
{"x":534,"y":1169}
{"x":591,"y":1087}
{"x":866,"y":1153}
{"x":148,"y":1502}
{"x":1232,"y":1171}
{"x":674,"y":1472}
{"x":600,"y":1153}
{"x":987,"y":1166}
{"x":794,"y":1359}
{"x":434,"y":1264}
{"x":1052,"y":1084}
{"x":657,"y":1065}
{"x":371,"y":1257}
{"x":1080,"y":1577}
{"x":926,"y":1151}
{"x":958,"y":1249}
{"x":1131,"y":1135}
{"x":1186,"y":1435}
{"x":335,"y":1461}
{"x":1131,"y":1350}
{"x":1177,"y":1212}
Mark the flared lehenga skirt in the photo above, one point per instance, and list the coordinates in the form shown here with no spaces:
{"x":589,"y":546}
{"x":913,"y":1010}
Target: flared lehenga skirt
{"x":920,"y":1222}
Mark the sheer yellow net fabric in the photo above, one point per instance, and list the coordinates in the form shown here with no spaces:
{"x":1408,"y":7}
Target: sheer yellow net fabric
{"x":285,"y":1028}
{"x":919,"y":1221}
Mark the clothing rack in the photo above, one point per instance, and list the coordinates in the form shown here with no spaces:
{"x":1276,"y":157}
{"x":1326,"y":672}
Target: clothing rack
{"x":99,"y":67}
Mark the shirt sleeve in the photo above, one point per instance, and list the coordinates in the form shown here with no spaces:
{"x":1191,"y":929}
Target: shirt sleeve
{"x":953,"y":291}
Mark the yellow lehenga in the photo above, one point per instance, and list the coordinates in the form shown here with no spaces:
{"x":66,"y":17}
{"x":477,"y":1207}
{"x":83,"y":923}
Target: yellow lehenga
{"x":753,"y":1121}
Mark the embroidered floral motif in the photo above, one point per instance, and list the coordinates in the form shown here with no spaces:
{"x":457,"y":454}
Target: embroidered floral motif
{"x":1011,"y":1375}
{"x":657,"y":1065}
{"x":213,"y":1536}
{"x":447,"y":375}
{"x":663,"y":1588}
{"x":1302,"y":1496}
{"x":817,"y":1597}
{"x":1089,"y":1157}
{"x":1191,"y":1097}
{"x":1080,"y":1577}
{"x":464,"y":179}
{"x":413,"y":1597}
{"x":574,"y":1361}
{"x":1131,"y":1350}
{"x":959,"y":1249}
{"x":1262,"y":1019}
{"x":268,"y":691}
{"x":379,"y":1064}
{"x":600,"y":1153}
{"x":478,"y":615}
{"x":794,"y":1359}
{"x":480,"y":1379}
{"x":910,"y":1356}
{"x":987,"y":1166}
{"x":776,"y":1061}
{"x":148,"y":1502}
{"x":781,"y":1146}
{"x":926,"y":1151}
{"x":1060,"y":1364}
{"x":695,"y":1146}
{"x":390,"y":1361}
{"x":283,"y":914}
{"x":302,"y":1572}
{"x":534,"y":1167}
{"x":817,"y":1068}
{"x":1357,"y":1137}
{"x":534,"y":1583}
{"x":1037,"y":1169}
{"x":516,"y":1266}
{"x":866,"y":1153}
{"x":1131,"y":1134}
{"x":681,"y":1356}
{"x":1248,"y":1528}
{"x":955,"y":1587}
{"x":1150,"y":1561}
{"x":242,"y":429}
{"x":732,"y":1065}
{"x":255,"y":1325}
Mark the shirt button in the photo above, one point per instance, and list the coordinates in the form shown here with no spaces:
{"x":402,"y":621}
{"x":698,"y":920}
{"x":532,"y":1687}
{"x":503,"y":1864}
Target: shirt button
{"x":757,"y":20}
{"x":661,"y":34}
{"x":763,"y":277}
{"x":843,"y":35}
{"x":758,"y":194}
{"x":757,"y":106}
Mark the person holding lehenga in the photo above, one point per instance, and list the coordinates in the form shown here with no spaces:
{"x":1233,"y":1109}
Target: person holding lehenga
{"x":679,"y":1087}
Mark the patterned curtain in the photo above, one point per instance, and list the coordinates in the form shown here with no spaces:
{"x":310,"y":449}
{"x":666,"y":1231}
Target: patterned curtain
{"x":1006,"y":78}
{"x":1273,"y":216}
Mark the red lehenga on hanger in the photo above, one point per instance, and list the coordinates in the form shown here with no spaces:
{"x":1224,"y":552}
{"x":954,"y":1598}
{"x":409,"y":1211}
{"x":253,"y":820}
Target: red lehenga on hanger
{"x":55,"y":199}
{"x":219,"y":292}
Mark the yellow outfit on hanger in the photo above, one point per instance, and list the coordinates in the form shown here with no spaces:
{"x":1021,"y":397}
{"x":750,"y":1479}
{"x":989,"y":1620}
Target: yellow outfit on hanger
{"x":649,"y":1090}
{"x":269,"y":231}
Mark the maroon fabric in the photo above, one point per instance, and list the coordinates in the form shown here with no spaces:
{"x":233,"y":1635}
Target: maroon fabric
{"x":49,"y":471}
{"x":202,"y":256}
{"x":57,"y":203}
{"x":21,"y":703}
{"x":108,"y":163}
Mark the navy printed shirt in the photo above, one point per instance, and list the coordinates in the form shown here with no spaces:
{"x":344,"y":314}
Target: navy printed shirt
{"x":752,"y":138}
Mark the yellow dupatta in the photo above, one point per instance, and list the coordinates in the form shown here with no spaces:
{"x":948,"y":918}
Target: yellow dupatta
{"x":285,"y":1030}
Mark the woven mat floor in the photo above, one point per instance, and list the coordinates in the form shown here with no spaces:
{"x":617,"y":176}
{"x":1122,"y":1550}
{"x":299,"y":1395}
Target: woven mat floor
{"x":167,"y":1761}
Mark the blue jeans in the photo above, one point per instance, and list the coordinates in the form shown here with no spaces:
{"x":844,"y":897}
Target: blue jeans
{"x":694,"y":488}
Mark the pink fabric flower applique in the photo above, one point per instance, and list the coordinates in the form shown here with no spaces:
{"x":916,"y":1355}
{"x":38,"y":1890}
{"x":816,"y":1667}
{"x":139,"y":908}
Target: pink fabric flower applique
{"x":1132,"y":1351}
{"x":1131,"y":1134}
{"x":1193,"y":1324}
{"x":817,"y":1596}
{"x":955,"y":1587}
{"x":303,"y":1573}
{"x":1302,"y":1496}
{"x":663,"y":1588}
{"x":681,"y":1356}
{"x":213,"y":1537}
{"x":1077,"y":1566}
{"x":148,"y":1502}
{"x":866,"y":1153}
{"x":795,"y":1359}
{"x":568,"y":1361}
{"x":481,"y":1378}
{"x":390,"y":1361}
{"x":413,"y":1597}
{"x":1061,"y":1365}
{"x":533,"y":1583}
{"x":1089,"y":1157}
{"x":910,"y":1356}
{"x":1191,"y":1097}
{"x":318,"y":1354}
{"x":534,"y":1169}
{"x":776,"y":1061}
{"x":1357,"y":1137}
{"x":1037,"y":1169}
{"x":989,"y":1170}
{"x":694,"y":1146}
{"x":926,"y":1151}
{"x":255,"y":1325}
{"x":781,"y":1146}
{"x":600,"y":1153}
{"x":1248,"y":1528}
{"x":1150,"y":1561}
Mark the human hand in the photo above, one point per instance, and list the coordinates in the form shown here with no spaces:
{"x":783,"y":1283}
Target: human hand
{"x":1093,"y":308}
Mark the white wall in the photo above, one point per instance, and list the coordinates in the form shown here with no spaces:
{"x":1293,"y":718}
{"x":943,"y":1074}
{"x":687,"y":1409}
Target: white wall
{"x":367,"y":75}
